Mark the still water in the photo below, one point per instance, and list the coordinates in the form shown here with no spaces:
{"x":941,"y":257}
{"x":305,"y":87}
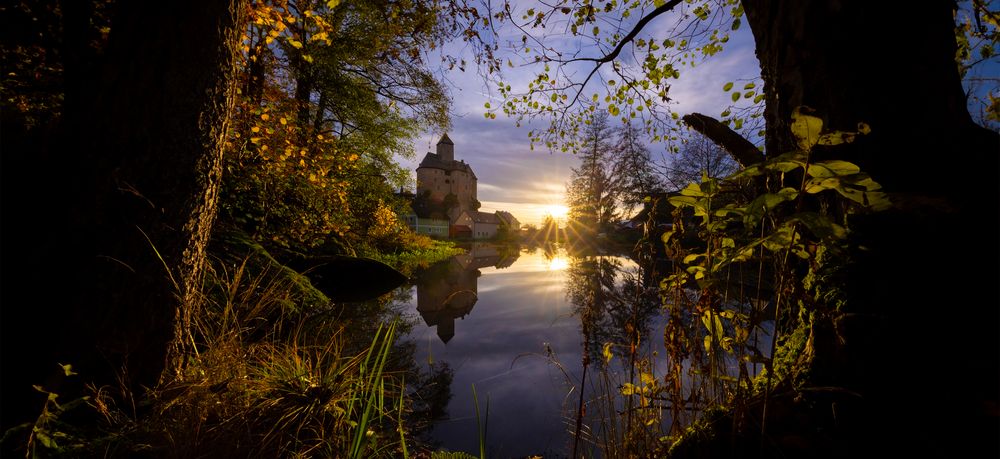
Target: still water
{"x":518,"y":324}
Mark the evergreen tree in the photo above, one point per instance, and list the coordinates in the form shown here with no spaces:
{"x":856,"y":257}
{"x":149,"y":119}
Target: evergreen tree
{"x":592,"y":194}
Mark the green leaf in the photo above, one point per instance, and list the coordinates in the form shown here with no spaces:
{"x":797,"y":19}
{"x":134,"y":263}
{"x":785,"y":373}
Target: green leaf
{"x":861,"y":181}
{"x":727,"y":86}
{"x":736,"y":96}
{"x":68,"y":369}
{"x":749,"y":86}
{"x":692,"y":189}
{"x":832,"y":168}
{"x":876,"y":200}
{"x":736,"y":24}
{"x":782,"y":238}
{"x":819,"y":225}
{"x":816,"y":185}
{"x":768,"y":201}
{"x":837,"y":138}
{"x":805,"y":128}
{"x":681,"y":201}
{"x":709,"y":320}
{"x":693,"y":257}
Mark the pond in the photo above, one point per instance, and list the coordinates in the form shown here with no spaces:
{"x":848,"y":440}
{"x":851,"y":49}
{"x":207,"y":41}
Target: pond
{"x":519,"y":325}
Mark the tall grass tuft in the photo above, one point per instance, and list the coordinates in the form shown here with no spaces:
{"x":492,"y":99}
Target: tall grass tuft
{"x":264,"y":383}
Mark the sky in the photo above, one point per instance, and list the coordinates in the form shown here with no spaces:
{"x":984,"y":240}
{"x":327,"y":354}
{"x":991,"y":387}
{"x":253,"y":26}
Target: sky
{"x":531,"y":183}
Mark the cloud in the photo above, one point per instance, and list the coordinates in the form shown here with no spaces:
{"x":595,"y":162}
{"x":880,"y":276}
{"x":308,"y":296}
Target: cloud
{"x":514,"y":177}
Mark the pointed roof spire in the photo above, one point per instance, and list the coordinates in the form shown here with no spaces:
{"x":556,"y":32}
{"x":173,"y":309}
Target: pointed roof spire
{"x":445,"y":140}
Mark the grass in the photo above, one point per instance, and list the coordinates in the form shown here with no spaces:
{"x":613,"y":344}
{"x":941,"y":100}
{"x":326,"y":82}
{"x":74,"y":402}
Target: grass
{"x":417,"y":252}
{"x":265,"y":381}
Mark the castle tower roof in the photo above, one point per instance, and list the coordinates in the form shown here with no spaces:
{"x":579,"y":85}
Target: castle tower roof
{"x":445,"y":140}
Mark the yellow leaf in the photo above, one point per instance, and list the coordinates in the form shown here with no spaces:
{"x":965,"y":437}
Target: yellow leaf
{"x":607,"y":352}
{"x":265,"y":116}
{"x":353,"y":157}
{"x":255,"y":129}
{"x":302,"y":162}
{"x":268,"y":40}
{"x":332,"y":4}
{"x":805,"y":128}
{"x":307,"y":58}
{"x":647,"y":378}
{"x":283,"y":121}
{"x":295,"y":43}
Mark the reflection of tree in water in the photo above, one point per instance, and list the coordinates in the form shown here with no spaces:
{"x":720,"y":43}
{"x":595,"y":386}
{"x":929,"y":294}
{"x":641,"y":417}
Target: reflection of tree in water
{"x":613,"y":304}
{"x":616,"y":310}
{"x":642,"y":385}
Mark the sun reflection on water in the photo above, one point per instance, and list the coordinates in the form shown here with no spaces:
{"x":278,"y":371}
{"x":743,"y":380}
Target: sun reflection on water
{"x":557,"y":263}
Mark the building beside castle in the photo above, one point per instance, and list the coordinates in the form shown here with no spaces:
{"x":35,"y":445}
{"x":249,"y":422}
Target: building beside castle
{"x":446,"y":195}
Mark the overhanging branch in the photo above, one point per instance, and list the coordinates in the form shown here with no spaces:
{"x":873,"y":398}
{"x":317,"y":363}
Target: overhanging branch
{"x":740,"y":148}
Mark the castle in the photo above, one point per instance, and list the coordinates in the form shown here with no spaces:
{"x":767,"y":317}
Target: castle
{"x":446,"y":203}
{"x":440,"y":175}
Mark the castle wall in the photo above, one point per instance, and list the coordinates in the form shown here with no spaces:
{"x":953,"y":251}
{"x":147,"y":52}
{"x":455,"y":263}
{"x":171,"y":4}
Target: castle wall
{"x":441,"y":182}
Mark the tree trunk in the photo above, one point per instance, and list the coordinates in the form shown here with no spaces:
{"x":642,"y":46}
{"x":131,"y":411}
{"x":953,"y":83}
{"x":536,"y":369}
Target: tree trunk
{"x":918,"y":338}
{"x":161,"y":126}
{"x":126,"y":202}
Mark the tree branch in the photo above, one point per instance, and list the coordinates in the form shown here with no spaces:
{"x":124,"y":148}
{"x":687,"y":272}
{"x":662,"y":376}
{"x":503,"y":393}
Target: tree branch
{"x":621,"y":44}
{"x":740,"y":148}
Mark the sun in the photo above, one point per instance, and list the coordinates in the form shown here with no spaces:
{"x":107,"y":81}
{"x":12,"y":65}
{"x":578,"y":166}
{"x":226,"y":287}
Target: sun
{"x":557,"y":211}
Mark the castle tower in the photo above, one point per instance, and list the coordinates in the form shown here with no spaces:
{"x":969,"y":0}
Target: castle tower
{"x":446,"y":148}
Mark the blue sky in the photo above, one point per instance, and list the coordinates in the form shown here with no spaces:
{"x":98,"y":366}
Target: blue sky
{"x":528,"y":182}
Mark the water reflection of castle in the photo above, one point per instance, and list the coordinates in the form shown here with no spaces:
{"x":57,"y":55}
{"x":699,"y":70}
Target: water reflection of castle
{"x":449,"y":290}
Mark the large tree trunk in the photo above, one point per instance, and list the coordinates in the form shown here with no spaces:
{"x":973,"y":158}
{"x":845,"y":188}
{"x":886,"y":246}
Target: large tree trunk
{"x":115,"y":258}
{"x":919,"y":336}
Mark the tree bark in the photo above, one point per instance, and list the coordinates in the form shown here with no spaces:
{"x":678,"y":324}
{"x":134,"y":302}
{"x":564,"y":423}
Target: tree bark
{"x":918,"y":336}
{"x":120,"y":220}
{"x":739,"y":148}
{"x":161,"y":127}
